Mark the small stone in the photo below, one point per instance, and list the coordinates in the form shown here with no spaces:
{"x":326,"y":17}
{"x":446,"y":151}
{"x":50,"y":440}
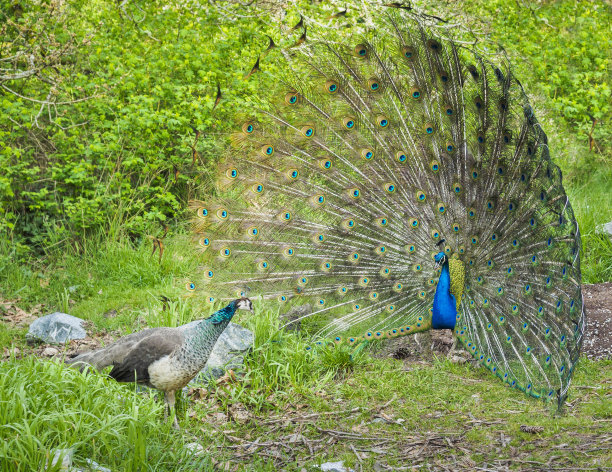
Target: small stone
{"x":56,"y":328}
{"x":604,"y":229}
{"x":50,"y":352}
{"x":335,"y":467}
{"x":219,"y":417}
{"x":239,"y":413}
{"x":8,"y":353}
{"x":195,"y":448}
{"x":110,"y":314}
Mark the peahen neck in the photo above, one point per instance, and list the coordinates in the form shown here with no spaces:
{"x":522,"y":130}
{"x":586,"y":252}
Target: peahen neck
{"x":201,"y":338}
{"x":444,"y":305}
{"x":224,"y":315}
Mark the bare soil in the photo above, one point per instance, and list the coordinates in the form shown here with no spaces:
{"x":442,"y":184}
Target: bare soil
{"x":598,"y":336}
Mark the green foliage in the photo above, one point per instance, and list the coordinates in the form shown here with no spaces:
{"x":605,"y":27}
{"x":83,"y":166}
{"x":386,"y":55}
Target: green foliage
{"x":561,"y":52}
{"x":132,"y":154}
{"x":128,"y":135}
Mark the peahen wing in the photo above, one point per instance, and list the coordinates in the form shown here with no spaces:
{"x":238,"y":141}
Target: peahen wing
{"x":340,"y":192}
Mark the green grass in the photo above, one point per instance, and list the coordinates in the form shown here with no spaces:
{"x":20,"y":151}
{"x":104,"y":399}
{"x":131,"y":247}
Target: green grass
{"x":591,"y":199}
{"x":456,"y":414}
{"x":45,"y":406}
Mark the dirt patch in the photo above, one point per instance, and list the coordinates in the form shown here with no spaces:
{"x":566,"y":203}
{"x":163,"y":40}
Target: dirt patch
{"x":598,"y":307}
{"x":11,"y":313}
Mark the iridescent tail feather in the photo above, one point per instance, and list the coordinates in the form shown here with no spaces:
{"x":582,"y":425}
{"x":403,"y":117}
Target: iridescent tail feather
{"x":338,"y":190}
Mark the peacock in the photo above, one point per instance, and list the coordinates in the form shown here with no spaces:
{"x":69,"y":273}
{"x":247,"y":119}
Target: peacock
{"x":163,"y":358}
{"x":400,"y":182}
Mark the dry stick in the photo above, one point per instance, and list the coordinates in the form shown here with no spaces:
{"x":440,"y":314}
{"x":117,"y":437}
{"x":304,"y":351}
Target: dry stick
{"x":327,"y":413}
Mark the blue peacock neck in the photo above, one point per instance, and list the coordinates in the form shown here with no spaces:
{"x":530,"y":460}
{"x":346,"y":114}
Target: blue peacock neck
{"x":444,"y":305}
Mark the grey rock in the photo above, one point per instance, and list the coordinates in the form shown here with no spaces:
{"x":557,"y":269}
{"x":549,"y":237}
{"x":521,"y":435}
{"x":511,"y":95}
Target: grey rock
{"x":92,"y":466}
{"x":605,"y":229}
{"x":291,"y":319}
{"x":228,"y":352}
{"x":56,"y":328}
{"x":335,"y":467}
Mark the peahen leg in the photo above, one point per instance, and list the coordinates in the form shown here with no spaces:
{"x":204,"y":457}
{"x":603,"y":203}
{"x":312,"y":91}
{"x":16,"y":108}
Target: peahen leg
{"x":170,"y":400}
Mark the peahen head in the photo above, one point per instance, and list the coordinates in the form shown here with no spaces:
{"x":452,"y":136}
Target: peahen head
{"x":244,"y":304}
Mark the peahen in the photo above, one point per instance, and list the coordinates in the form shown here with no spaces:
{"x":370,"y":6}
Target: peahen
{"x":402,"y":183}
{"x":163,"y":358}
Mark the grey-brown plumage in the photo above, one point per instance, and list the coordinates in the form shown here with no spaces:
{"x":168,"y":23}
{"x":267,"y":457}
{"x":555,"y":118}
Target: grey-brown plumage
{"x":163,"y":358}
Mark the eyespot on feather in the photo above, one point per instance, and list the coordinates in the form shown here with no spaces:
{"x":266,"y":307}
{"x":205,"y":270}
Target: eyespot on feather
{"x":374,"y":84}
{"x":331,"y":86}
{"x":325,"y":164}
{"x":382,"y":121}
{"x":307,"y":131}
{"x":267,"y":150}
{"x":348,"y":122}
{"x":361,"y":50}
{"x":407,"y":52}
{"x":291,"y":98}
{"x":400,"y":156}
{"x":367,"y":154}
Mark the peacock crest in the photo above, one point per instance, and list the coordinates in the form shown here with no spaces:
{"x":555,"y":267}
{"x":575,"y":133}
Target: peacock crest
{"x":376,"y":160}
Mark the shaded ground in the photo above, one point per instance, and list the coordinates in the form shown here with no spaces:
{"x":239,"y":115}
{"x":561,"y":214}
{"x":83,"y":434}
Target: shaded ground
{"x":598,"y":338}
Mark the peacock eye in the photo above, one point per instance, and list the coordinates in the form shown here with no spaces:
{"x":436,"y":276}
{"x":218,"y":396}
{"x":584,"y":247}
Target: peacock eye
{"x":291,"y":98}
{"x":407,"y":52}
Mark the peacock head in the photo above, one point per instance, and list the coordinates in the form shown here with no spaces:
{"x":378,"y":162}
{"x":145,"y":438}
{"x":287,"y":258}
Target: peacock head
{"x":244,"y":304}
{"x":441,"y":257}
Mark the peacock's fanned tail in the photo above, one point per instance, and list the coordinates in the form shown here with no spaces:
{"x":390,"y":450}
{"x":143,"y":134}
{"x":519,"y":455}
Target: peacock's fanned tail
{"x":337,"y":192}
